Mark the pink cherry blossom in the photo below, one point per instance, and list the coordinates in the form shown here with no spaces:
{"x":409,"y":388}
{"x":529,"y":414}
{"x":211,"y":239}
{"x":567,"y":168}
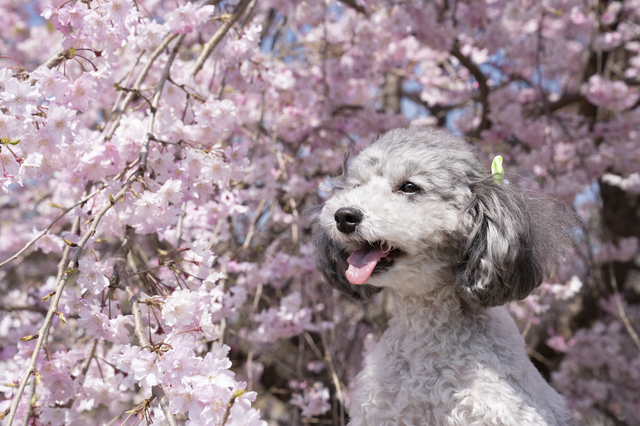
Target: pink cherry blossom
{"x":18,"y":97}
{"x":188,"y":16}
{"x":92,"y":276}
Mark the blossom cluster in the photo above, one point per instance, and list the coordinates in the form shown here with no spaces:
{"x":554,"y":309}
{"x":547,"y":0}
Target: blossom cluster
{"x":157,"y":158}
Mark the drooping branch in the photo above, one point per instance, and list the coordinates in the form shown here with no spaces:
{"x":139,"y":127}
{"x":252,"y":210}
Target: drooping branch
{"x":482,"y":86}
{"x":217,"y":37}
{"x":437,"y":111}
{"x":53,"y":61}
{"x":48,"y":228}
{"x":64,"y":274}
{"x":138,"y":83}
{"x":355,"y":6}
{"x":44,"y":330}
{"x":122,"y":275}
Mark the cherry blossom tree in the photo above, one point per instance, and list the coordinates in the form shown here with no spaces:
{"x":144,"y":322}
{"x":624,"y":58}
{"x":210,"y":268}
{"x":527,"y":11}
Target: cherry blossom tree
{"x":158,"y":157}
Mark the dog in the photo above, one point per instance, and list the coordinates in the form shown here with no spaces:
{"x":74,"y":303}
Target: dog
{"x":416,"y":212}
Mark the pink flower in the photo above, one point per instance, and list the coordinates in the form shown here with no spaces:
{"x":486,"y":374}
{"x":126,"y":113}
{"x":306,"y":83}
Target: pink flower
{"x":124,"y":360}
{"x":178,"y":364}
{"x":19,"y":97}
{"x":92,"y":276}
{"x":118,"y":330}
{"x":314,"y":401}
{"x":93,"y":321}
{"x":61,"y":123}
{"x":247,"y":44}
{"x":186,"y":401}
{"x":120,"y":10}
{"x":614,"y":95}
{"x":180,"y":309}
{"x":49,"y":243}
{"x":10,"y":127}
{"x":30,"y":167}
{"x":57,"y":416}
{"x":557,"y":343}
{"x":50,"y":82}
{"x":239,"y":416}
{"x":170,"y":192}
{"x":71,"y":14}
{"x":188,"y":16}
{"x":144,"y":368}
{"x":80,"y":92}
{"x":9,"y":166}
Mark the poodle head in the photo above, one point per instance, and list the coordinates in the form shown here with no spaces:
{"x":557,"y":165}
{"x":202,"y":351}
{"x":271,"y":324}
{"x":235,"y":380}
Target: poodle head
{"x":417,"y":211}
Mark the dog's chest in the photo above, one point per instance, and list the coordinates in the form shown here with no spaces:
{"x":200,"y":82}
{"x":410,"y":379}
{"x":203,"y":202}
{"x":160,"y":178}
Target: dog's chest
{"x":432,"y":372}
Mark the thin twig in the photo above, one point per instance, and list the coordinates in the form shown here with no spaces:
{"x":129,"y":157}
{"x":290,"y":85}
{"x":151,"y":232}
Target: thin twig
{"x":53,"y":61}
{"x":328,"y":362}
{"x":216,"y":231}
{"x":84,"y":368}
{"x":228,"y":410}
{"x":482,"y":85}
{"x":114,"y":109}
{"x":136,"y":86}
{"x":179,"y":228}
{"x":616,"y":290}
{"x":48,"y":228}
{"x":44,"y":330}
{"x":157,"y":390}
{"x":252,"y":226}
{"x":29,"y":411}
{"x":217,"y":37}
{"x":23,"y":308}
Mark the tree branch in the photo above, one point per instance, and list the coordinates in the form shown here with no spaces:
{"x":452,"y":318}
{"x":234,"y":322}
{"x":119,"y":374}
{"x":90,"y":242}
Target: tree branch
{"x":53,"y":61}
{"x":482,"y":85}
{"x":217,"y":37}
{"x":437,"y":111}
{"x":353,"y":5}
{"x":138,"y":83}
{"x":48,"y":228}
{"x":119,"y":267}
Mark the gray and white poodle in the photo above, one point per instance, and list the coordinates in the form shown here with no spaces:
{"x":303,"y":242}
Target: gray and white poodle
{"x":419,"y":214}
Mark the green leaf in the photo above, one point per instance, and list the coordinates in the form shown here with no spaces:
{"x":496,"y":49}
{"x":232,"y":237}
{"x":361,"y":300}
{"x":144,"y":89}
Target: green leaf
{"x":70,"y":243}
{"x":7,"y":141}
{"x":29,"y":338}
{"x":497,"y":170}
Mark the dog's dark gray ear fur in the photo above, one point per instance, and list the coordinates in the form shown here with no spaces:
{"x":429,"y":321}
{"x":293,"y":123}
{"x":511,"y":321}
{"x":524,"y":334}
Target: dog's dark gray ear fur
{"x":512,"y":243}
{"x":331,"y":260}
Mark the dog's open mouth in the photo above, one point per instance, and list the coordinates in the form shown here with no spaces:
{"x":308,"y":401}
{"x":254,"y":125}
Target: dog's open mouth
{"x":370,"y":259}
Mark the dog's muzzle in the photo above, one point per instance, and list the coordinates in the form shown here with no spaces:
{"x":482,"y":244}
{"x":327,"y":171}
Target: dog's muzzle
{"x":347,"y":219}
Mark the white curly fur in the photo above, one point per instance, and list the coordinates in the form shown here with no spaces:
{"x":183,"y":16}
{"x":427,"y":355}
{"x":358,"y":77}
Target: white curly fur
{"x":448,"y":357}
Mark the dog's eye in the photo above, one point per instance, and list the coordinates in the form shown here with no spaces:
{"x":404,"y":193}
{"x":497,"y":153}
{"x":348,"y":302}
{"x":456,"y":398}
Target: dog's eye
{"x":409,"y":188}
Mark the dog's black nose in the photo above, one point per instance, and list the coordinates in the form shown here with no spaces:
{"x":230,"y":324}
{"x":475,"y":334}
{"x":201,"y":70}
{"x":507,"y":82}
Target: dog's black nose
{"x":347,"y":219}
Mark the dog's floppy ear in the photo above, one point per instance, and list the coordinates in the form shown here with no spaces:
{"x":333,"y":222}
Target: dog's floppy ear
{"x":511,"y":243}
{"x":331,"y":260}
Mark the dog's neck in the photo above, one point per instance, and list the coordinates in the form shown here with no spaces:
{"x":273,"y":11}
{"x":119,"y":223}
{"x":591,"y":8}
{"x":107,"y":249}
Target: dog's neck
{"x":433,"y":311}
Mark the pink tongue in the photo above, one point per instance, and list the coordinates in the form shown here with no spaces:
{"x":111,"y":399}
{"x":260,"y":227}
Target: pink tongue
{"x":362,"y":262}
